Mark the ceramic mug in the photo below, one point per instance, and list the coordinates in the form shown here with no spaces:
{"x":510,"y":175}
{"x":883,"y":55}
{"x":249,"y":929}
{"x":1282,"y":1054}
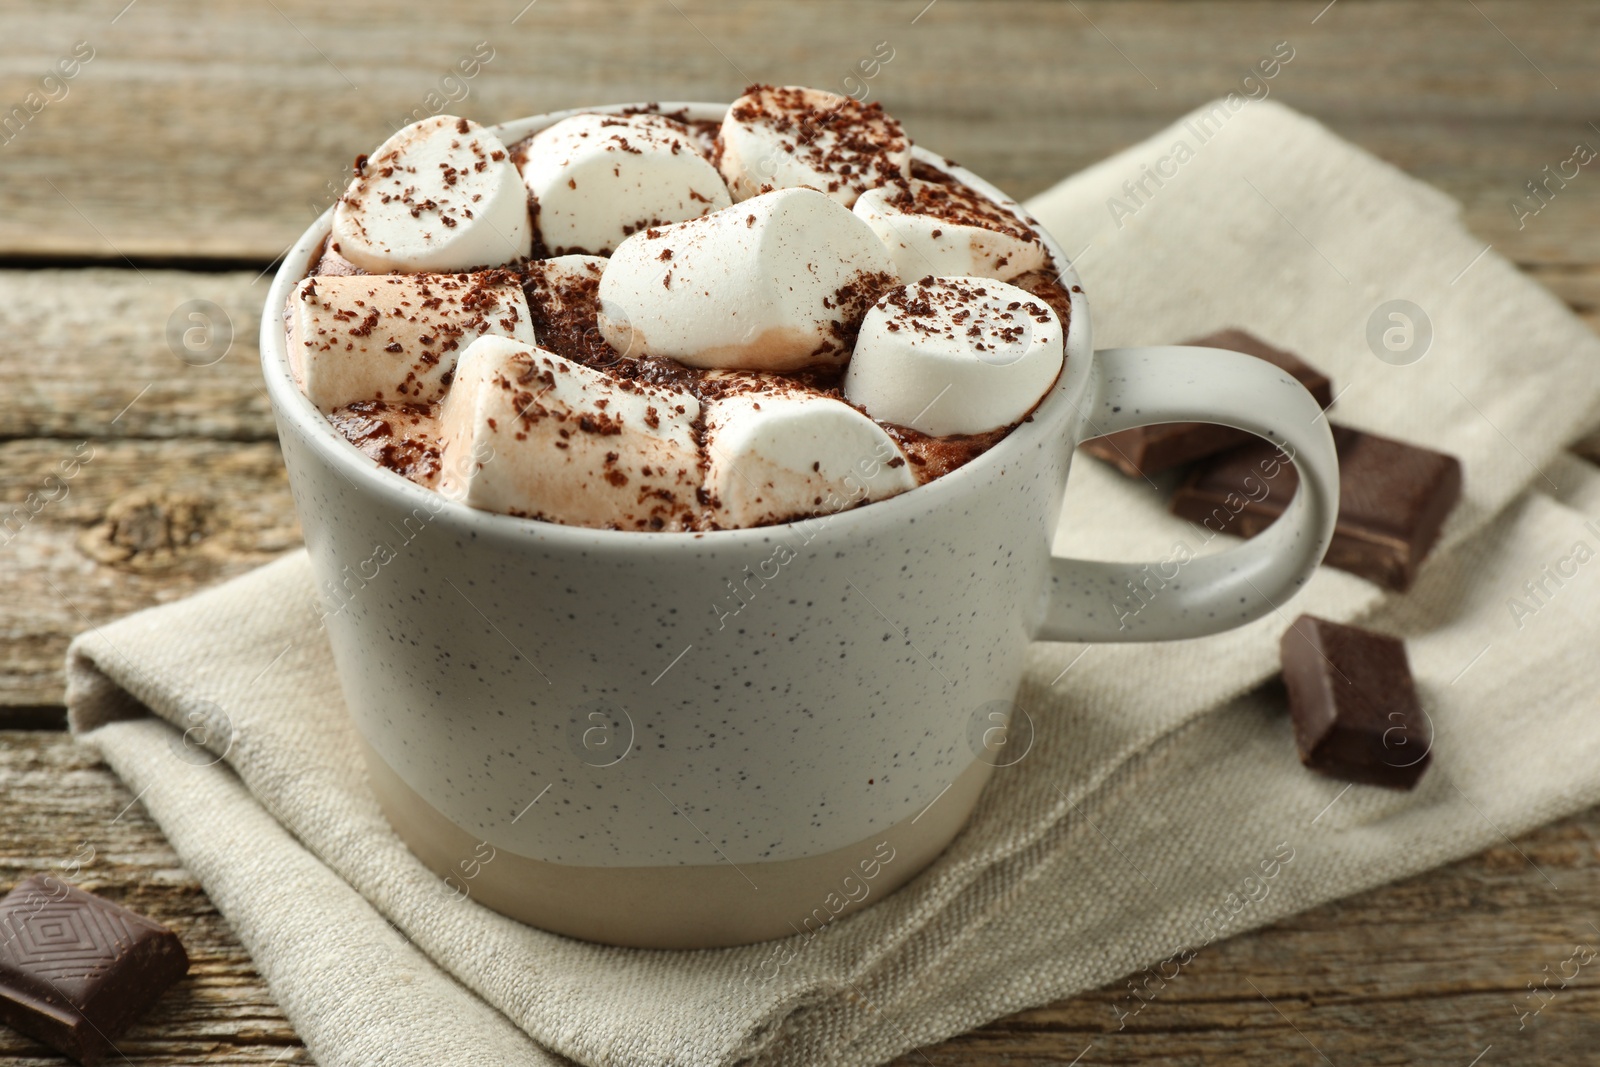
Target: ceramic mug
{"x":699,"y":739}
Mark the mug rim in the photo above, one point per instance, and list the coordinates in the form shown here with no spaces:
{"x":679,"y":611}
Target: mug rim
{"x":1045,"y":427}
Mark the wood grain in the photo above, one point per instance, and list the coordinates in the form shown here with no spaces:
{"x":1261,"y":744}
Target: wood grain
{"x":141,"y":523}
{"x":1424,"y":971}
{"x":103,"y":353}
{"x":266,"y":104}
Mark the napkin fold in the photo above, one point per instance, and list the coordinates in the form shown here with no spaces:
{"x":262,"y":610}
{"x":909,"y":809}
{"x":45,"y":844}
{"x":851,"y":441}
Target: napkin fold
{"x":1160,"y":807}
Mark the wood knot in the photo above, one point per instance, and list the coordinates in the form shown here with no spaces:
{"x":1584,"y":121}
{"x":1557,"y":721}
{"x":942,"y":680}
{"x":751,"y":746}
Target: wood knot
{"x":148,"y":529}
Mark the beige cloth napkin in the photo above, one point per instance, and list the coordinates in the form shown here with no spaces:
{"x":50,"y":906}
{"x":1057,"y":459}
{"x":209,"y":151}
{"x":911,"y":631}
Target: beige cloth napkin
{"x":1161,"y":806}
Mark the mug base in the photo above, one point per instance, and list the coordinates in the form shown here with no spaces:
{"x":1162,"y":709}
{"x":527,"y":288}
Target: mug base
{"x":693,"y":906}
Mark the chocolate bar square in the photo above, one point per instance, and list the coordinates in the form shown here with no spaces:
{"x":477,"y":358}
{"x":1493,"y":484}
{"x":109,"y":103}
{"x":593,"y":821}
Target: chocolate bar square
{"x":1393,"y":500}
{"x":1146,"y":450}
{"x":1354,"y":705}
{"x":75,"y":970}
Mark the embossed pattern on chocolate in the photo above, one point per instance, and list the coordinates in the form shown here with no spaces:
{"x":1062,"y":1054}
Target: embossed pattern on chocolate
{"x":75,"y":970}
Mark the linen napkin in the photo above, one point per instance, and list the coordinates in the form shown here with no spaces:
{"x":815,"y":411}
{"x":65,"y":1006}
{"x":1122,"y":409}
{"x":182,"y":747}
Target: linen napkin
{"x":1161,"y":806}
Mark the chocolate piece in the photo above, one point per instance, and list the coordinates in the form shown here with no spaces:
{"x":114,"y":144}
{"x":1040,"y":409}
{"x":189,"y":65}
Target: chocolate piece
{"x":1393,"y":498}
{"x":1354,"y":706}
{"x":1146,"y":450}
{"x":75,"y":970}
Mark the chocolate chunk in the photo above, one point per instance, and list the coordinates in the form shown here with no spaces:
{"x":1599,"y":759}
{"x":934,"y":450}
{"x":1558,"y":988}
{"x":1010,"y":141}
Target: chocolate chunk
{"x":75,"y":970}
{"x":1393,"y":498}
{"x":1146,"y":450}
{"x":1354,"y":706}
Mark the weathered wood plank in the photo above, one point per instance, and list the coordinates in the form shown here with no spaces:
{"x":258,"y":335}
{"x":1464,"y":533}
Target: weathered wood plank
{"x":66,"y":814}
{"x":79,"y":368}
{"x":93,"y":530}
{"x":219,"y":129}
{"x":1425,"y":971}
{"x":89,"y":354}
{"x":104,"y":353}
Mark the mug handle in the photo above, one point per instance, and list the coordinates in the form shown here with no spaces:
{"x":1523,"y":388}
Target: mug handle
{"x":1090,"y":600}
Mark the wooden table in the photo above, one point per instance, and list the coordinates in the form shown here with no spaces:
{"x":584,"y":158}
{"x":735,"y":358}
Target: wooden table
{"x":195,"y":140}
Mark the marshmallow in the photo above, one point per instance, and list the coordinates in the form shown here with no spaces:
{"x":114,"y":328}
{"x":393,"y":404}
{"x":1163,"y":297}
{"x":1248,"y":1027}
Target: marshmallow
{"x":395,"y":337}
{"x":788,"y":136}
{"x":955,"y":356}
{"x":440,"y":195}
{"x":772,"y":458}
{"x":598,"y":178}
{"x":775,"y":283}
{"x":526,"y":432}
{"x":950,"y":231}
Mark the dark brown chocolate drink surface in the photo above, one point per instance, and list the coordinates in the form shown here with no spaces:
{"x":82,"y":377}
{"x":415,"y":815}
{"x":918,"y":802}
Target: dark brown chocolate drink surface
{"x":75,"y":970}
{"x":1146,"y":450}
{"x":1393,"y":500}
{"x":1354,"y":704}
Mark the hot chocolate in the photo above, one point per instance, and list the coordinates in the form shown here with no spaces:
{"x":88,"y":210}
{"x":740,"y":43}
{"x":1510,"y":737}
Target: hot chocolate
{"x":725,"y":721}
{"x":675,"y":331}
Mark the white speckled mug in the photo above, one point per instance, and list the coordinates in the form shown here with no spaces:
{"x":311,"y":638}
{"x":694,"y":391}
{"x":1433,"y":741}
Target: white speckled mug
{"x":687,"y":740}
